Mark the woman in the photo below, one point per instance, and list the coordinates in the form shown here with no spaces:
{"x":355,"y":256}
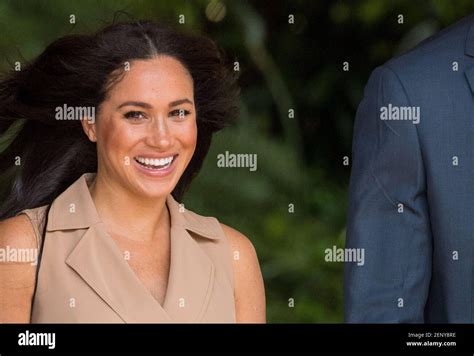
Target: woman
{"x":116,"y":125}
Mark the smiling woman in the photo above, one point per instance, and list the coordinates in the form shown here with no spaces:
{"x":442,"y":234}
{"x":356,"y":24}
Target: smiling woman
{"x":99,"y":197}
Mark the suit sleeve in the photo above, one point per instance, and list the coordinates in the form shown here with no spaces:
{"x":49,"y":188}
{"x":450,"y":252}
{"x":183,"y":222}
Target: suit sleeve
{"x":388,"y":216}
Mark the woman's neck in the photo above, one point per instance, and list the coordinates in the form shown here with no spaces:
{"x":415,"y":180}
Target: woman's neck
{"x":129,"y":215}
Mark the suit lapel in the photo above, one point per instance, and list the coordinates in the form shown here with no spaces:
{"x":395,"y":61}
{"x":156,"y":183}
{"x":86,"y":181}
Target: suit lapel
{"x":469,"y":51}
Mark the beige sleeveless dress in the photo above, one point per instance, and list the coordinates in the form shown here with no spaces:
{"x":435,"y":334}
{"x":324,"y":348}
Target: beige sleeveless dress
{"x":84,"y":278}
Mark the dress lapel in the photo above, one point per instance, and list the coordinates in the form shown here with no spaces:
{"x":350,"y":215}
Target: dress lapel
{"x":99,"y":261}
{"x":191,"y":278}
{"x":192,"y":272}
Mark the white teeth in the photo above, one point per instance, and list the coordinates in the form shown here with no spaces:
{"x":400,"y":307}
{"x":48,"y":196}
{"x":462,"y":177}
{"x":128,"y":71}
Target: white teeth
{"x":157,"y":162}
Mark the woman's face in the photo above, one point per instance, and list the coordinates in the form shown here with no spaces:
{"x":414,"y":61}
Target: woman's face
{"x":146,"y":129}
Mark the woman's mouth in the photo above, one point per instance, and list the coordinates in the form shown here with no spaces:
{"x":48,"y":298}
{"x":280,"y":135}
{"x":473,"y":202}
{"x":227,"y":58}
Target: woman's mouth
{"x":155,"y":166}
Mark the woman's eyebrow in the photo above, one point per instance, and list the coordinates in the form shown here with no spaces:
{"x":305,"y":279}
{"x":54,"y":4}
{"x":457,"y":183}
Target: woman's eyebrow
{"x":180,"y":101}
{"x":148,"y":106}
{"x":135,"y":103}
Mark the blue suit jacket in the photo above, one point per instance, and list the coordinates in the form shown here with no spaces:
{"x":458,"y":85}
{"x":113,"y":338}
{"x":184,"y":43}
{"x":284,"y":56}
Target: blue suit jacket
{"x":411,"y":198}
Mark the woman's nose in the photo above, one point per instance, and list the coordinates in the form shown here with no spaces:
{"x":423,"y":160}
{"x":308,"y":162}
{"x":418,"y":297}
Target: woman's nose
{"x":158,"y":134}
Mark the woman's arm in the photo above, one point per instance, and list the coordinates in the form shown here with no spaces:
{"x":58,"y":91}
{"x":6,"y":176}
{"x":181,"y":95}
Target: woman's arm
{"x":17,"y":279}
{"x":249,"y":290}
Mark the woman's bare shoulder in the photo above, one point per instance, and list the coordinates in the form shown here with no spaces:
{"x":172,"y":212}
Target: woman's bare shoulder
{"x":17,"y":232}
{"x":249,"y":288}
{"x":18,"y":251}
{"x":17,"y":273}
{"x":237,"y":239}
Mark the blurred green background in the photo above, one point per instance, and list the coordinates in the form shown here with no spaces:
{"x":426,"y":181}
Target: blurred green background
{"x":284,"y":66}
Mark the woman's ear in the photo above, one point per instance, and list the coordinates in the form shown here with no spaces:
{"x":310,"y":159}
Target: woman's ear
{"x":89,"y":127}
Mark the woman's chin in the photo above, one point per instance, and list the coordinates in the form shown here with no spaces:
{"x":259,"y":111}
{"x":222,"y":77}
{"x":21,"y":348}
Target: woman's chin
{"x":152,"y":188}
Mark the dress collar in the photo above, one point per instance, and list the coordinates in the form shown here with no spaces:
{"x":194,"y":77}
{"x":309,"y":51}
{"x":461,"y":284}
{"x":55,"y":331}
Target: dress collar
{"x":75,"y":209}
{"x":100,"y":263}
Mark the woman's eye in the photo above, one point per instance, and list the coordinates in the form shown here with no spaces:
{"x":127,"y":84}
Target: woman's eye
{"x":135,"y":115}
{"x":180,"y":113}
